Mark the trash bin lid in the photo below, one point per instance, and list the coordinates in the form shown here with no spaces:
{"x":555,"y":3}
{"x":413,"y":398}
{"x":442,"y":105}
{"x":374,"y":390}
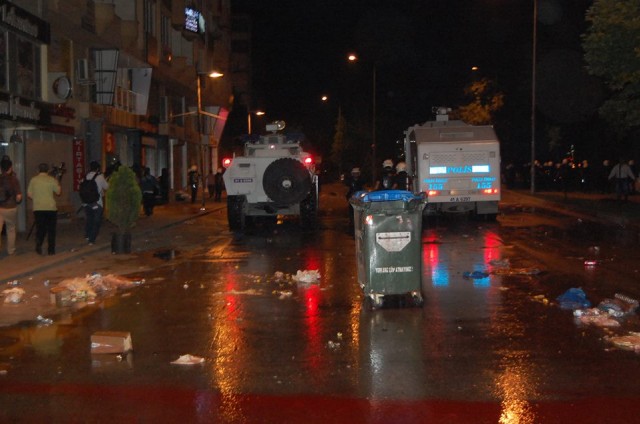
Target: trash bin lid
{"x":386,"y":196}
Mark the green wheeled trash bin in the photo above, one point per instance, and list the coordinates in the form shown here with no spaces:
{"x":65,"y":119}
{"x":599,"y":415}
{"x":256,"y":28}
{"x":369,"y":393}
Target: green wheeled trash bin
{"x":388,"y":236}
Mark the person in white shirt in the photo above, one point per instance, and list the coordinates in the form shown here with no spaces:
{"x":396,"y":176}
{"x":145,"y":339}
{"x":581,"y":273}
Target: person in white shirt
{"x":623,"y":176}
{"x":95,"y":210}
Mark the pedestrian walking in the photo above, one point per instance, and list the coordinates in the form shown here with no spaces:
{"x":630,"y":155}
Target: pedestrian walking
{"x":42,"y":190}
{"x":621,"y":174}
{"x":194,"y":178}
{"x":149,"y":186}
{"x":94,"y":209}
{"x":211,"y":183}
{"x":10,"y":197}
{"x":218,"y":185}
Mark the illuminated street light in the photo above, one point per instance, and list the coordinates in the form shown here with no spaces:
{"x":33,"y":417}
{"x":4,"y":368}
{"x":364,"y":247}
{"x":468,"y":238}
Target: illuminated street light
{"x":324,"y":98}
{"x":254,"y":112}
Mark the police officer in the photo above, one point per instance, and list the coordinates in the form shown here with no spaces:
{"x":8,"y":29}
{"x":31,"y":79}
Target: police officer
{"x":402,"y":181}
{"x":355,"y":183}
{"x":386,"y":180}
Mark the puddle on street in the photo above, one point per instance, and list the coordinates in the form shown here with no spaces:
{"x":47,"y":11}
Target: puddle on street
{"x":166,"y":255}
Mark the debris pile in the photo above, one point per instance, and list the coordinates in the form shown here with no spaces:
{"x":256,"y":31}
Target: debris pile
{"x":89,"y":287}
{"x":13,"y":295}
{"x":609,"y":313}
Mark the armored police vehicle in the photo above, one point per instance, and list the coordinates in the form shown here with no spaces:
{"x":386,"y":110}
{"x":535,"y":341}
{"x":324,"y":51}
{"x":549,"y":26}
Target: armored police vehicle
{"x":273,"y":177}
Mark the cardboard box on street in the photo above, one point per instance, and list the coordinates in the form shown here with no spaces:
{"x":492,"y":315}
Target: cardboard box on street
{"x":111,"y":342}
{"x":60,"y":296}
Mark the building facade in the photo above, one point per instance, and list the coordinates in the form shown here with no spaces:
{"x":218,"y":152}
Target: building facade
{"x":116,"y":81}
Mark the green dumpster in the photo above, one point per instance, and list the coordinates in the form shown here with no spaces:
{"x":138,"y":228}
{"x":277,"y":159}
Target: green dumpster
{"x":388,"y":236}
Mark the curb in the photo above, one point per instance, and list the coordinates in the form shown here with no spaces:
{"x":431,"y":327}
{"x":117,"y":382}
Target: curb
{"x":74,"y":254}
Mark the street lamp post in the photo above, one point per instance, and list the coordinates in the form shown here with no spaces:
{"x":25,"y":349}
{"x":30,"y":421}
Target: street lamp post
{"x":352,"y":58}
{"x":533,"y":96}
{"x":199,"y":114}
{"x":257,"y":113}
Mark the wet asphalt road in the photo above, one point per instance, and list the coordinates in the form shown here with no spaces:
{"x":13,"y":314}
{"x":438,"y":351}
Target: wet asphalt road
{"x":492,"y":349}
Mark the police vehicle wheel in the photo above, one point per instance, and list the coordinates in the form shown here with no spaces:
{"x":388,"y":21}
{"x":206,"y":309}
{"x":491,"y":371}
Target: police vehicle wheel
{"x":309,"y":209}
{"x":286,"y":181}
{"x":235,"y":213}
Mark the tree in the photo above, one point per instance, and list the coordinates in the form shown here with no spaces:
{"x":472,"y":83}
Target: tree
{"x":337,"y":148}
{"x":485,"y":102}
{"x":612,"y":52}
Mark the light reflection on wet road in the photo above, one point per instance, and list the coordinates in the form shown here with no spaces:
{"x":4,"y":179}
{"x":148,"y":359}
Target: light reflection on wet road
{"x":480,"y":350}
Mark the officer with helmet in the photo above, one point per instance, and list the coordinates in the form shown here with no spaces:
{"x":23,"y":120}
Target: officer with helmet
{"x":402,"y":181}
{"x":387,"y":177}
{"x":355,"y":183}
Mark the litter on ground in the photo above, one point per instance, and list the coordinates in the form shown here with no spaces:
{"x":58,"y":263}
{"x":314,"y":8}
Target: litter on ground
{"x":516,"y":271}
{"x":89,"y":287}
{"x":595,"y":316}
{"x":574,"y":298}
{"x":13,"y":295}
{"x":631,"y":341}
{"x":188,"y":360}
{"x":475,"y":274}
{"x":619,"y":306}
{"x":307,"y":276}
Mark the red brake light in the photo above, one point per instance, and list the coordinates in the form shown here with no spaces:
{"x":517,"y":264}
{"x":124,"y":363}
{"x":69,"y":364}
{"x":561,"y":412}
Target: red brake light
{"x":432,"y":193}
{"x":226,"y":162}
{"x":308,"y":160}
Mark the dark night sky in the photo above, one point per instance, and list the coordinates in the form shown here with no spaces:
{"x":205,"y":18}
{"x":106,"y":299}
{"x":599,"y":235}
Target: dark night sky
{"x":423,"y":51}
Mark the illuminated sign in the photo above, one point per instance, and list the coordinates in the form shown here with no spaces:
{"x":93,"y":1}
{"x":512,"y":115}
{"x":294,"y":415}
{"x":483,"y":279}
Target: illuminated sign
{"x":191,"y":20}
{"x":465,"y":169}
{"x":194,"y":21}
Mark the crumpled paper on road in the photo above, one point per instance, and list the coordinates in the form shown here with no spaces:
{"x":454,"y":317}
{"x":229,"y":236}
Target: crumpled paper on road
{"x":188,"y":360}
{"x":307,"y":277}
{"x":13,"y":295}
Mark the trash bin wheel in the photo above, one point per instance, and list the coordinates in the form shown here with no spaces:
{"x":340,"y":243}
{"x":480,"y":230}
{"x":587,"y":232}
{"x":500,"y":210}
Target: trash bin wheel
{"x":417,"y":299}
{"x":286,"y":181}
{"x":375,"y":301}
{"x":309,"y":209}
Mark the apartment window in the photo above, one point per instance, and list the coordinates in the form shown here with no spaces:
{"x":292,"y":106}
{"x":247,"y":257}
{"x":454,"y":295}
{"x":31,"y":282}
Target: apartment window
{"x":150,"y":17}
{"x":24,"y":66}
{"x":4,"y":58}
{"x":165,"y":32}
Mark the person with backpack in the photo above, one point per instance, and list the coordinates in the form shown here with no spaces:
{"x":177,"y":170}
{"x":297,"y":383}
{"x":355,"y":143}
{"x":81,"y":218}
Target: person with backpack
{"x":10,"y":197}
{"x":91,"y":192}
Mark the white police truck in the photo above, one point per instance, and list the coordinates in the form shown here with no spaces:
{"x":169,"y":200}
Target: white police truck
{"x":455,"y":164}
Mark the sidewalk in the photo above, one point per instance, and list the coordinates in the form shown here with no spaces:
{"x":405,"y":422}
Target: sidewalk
{"x":602,"y":207}
{"x":71,"y":245}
